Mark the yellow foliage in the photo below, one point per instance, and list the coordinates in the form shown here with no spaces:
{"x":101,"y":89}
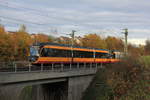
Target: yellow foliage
{"x":114,"y":43}
{"x":94,"y":41}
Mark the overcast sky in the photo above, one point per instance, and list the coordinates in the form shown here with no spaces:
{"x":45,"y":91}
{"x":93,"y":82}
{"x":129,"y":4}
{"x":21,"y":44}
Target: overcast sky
{"x":106,"y":17}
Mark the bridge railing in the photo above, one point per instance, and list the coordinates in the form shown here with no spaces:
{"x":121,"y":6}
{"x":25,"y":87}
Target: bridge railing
{"x":28,"y":67}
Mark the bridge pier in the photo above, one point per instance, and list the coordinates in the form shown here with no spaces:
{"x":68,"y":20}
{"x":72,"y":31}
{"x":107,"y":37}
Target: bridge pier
{"x":72,"y":89}
{"x":51,"y":91}
{"x":77,"y":86}
{"x":37,"y":92}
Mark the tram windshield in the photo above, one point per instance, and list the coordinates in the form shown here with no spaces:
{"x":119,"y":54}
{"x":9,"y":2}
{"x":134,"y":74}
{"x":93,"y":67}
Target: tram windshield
{"x":34,"y":51}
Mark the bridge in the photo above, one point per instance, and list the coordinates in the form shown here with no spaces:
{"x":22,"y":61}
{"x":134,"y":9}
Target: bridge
{"x":47,"y":82}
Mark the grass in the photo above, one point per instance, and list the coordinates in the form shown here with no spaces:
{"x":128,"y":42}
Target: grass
{"x":145,"y":60}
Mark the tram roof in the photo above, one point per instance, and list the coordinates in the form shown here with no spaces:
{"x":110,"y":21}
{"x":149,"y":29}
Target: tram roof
{"x":64,"y":45}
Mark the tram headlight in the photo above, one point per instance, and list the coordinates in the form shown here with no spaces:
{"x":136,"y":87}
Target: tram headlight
{"x":33,"y":58}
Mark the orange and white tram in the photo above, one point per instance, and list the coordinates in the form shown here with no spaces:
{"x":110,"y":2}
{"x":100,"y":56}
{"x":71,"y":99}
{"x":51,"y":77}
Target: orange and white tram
{"x":46,"y":53}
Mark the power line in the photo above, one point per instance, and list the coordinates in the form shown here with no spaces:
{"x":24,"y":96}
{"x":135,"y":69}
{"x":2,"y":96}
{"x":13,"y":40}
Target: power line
{"x":37,"y":12}
{"x":31,"y":10}
{"x":40,"y":29}
{"x":21,"y":7}
{"x":21,"y":20}
{"x":110,"y":31}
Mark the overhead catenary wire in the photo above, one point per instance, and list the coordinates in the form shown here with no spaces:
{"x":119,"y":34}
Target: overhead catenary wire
{"x":22,"y":20}
{"x":37,"y":12}
{"x":31,"y":11}
{"x":8,"y":4}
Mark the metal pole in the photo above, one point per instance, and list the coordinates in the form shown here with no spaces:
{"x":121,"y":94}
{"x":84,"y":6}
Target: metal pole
{"x":72,"y":43}
{"x":72,"y":37}
{"x":84,"y":65}
{"x":29,"y":67}
{"x":70,"y":66}
{"x":52,"y":66}
{"x":126,"y":42}
{"x":62,"y":65}
{"x":91,"y":65}
{"x":96,"y":65}
{"x":41,"y":67}
{"x":15,"y":67}
{"x":77,"y":65}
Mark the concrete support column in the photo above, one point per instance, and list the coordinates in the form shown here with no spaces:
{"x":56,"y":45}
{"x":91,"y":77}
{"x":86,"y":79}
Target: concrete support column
{"x":77,"y":86}
{"x":37,"y":92}
{"x":51,"y":91}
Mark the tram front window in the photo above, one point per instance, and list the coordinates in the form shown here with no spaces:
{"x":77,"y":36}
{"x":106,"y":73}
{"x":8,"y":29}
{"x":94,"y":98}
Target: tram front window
{"x":34,"y":51}
{"x":34,"y":54}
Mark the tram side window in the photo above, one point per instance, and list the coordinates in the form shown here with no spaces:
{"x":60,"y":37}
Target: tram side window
{"x":62,"y":53}
{"x":55,"y":53}
{"x":48,"y":52}
{"x":97,"y":55}
{"x":68,"y":52}
{"x":83,"y":54}
{"x":76,"y":54}
{"x":101,"y":55}
{"x":88,"y":54}
{"x":44,"y":52}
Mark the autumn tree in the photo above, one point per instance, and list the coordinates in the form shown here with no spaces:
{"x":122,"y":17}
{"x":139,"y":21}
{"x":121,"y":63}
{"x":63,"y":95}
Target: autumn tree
{"x":42,"y":38}
{"x":63,"y":40}
{"x":22,"y":40}
{"x":147,"y":47}
{"x":6,"y":46}
{"x":2,"y":29}
{"x":135,"y":51}
{"x":15,"y":45}
{"x":114,"y":43}
{"x":94,"y":41}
